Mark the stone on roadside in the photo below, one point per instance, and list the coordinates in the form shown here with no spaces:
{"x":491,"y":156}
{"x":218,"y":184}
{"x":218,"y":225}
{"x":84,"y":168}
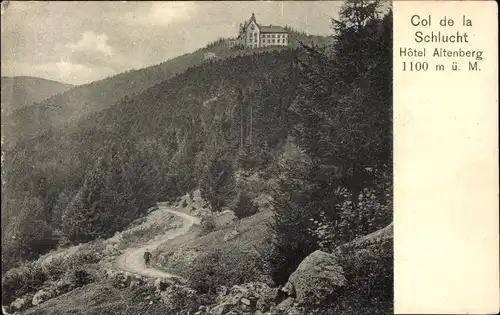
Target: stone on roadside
{"x":317,"y":277}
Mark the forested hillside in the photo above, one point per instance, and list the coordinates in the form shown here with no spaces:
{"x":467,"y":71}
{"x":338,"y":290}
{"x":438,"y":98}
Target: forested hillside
{"x":19,"y":92}
{"x":96,"y":96}
{"x":156,"y":145}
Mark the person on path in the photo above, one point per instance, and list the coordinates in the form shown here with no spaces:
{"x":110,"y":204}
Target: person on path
{"x":147,"y":258}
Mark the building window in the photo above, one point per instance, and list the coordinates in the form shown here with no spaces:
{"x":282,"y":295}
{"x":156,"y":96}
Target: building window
{"x":273,"y":41}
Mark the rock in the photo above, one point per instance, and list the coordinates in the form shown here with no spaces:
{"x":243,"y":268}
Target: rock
{"x":318,"y":277}
{"x":247,"y":297}
{"x":289,"y":289}
{"x":160,"y":285}
{"x":19,"y":303}
{"x":245,"y":301}
{"x":267,"y":300}
{"x":368,"y":261}
{"x":230,"y":235}
{"x":62,"y":286}
{"x":295,"y":310}
{"x":285,"y":305}
{"x":220,"y":309}
{"x":41,"y":296}
{"x":367,"y":245}
{"x":179,"y":297}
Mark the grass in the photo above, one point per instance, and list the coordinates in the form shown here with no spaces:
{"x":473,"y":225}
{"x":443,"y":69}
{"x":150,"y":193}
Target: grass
{"x":101,"y":299}
{"x":253,"y":234}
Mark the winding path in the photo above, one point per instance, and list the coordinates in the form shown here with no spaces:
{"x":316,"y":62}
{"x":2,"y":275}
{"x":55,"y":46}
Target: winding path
{"x":132,"y":259}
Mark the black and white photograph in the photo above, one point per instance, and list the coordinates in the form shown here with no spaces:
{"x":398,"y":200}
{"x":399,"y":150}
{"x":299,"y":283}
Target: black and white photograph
{"x":197,"y":158}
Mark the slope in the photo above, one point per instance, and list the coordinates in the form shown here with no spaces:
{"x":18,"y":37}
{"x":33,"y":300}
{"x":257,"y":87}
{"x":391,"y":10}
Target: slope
{"x":22,"y":91}
{"x":148,"y":147}
{"x":132,"y":259}
{"x":99,"y":95}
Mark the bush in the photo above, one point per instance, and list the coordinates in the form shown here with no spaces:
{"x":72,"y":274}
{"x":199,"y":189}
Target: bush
{"x":22,"y":280}
{"x":81,"y":277}
{"x":185,"y":204}
{"x":225,"y":267}
{"x":208,"y":225}
{"x":245,"y":207}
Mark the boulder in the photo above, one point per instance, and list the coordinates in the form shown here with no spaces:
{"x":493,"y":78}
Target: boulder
{"x":230,"y":235}
{"x":247,"y":297}
{"x":41,"y":296}
{"x":19,"y":303}
{"x":368,"y":245}
{"x":318,"y":277}
{"x":284,"y":306}
{"x":220,"y":309}
{"x":368,"y":263}
{"x":267,"y":300}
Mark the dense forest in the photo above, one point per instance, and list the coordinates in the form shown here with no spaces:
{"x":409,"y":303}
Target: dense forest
{"x":90,"y":178}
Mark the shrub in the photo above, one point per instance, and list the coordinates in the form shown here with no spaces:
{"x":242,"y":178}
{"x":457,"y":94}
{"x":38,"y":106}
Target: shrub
{"x":245,"y":207}
{"x":208,"y":225}
{"x":185,"y":204}
{"x":22,"y":280}
{"x":225,"y":267}
{"x":81,"y":277}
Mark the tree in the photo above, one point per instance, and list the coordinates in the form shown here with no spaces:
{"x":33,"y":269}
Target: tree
{"x":244,"y":207}
{"x":343,"y":123}
{"x":217,"y":183}
{"x":345,"y":114}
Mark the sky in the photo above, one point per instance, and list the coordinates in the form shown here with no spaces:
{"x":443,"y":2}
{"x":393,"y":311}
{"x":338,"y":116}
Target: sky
{"x":79,"y":42}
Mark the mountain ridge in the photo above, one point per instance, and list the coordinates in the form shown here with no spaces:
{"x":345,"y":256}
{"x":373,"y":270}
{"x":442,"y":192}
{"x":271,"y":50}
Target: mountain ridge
{"x":99,"y":95}
{"x":23,"y":91}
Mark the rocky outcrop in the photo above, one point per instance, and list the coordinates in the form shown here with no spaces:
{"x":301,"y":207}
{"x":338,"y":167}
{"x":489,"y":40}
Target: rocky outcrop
{"x":177,"y":297}
{"x":367,"y":245}
{"x":251,"y":298}
{"x":323,"y":276}
{"x":318,"y":277}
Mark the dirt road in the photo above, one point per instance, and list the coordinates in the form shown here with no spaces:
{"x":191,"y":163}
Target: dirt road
{"x":132,"y":259}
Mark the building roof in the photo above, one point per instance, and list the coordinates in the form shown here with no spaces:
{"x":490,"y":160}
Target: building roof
{"x":263,"y":28}
{"x":272,"y":29}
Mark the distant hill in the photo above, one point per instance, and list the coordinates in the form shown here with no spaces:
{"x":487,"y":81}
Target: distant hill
{"x":99,"y":95}
{"x":19,"y":92}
